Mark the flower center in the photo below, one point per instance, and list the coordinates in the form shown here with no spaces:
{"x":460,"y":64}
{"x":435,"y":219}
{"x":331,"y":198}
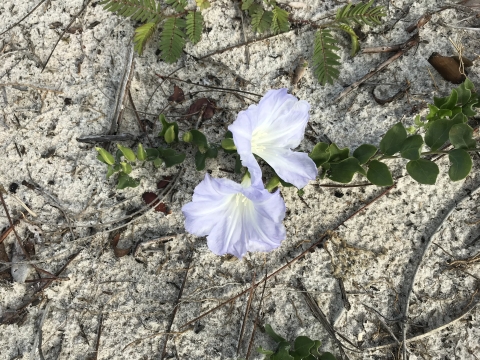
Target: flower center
{"x":257,"y":143}
{"x":241,"y":200}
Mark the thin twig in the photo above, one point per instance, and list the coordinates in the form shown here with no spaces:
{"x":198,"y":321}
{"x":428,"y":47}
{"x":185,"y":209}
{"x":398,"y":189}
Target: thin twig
{"x":19,"y":21}
{"x":247,"y":310}
{"x":74,"y":18}
{"x":414,"y":40}
{"x":257,"y":318}
{"x":417,"y":267}
{"x":169,"y":328}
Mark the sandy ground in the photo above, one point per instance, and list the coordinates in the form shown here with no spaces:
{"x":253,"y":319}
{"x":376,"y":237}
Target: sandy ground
{"x":122,"y":307}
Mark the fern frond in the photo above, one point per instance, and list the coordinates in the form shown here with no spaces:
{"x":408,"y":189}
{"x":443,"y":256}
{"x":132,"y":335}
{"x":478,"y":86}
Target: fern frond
{"x":353,"y":37}
{"x":178,"y":5}
{"x":139,"y":10}
{"x":194,"y":26}
{"x":172,"y":39}
{"x":246,"y":4}
{"x":261,"y":20}
{"x":142,"y":34}
{"x":361,"y":13}
{"x":325,"y":60}
{"x":280,"y":20}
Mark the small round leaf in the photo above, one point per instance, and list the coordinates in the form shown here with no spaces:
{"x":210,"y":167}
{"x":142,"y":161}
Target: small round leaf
{"x":127,"y":153}
{"x":228,"y":144}
{"x":423,"y":171}
{"x":364,"y":152}
{"x":460,"y":136}
{"x":320,"y":154}
{"x":412,"y":147}
{"x":461,"y":164}
{"x":344,"y":170}
{"x":378,"y":174}
{"x":393,"y":140}
{"x":106,"y":156}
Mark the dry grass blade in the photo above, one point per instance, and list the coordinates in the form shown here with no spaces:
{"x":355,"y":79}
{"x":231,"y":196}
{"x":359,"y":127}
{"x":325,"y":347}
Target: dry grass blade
{"x":247,"y":310}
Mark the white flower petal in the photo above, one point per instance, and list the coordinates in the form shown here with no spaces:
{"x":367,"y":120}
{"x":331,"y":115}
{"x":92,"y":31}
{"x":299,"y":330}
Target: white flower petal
{"x":293,"y":167}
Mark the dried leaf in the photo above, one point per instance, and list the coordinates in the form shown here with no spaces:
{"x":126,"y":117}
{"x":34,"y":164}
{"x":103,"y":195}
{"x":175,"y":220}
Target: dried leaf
{"x":151,"y":199}
{"x":117,"y":251}
{"x":207,"y":105}
{"x":162,"y":184}
{"x":448,"y":67}
{"x":178,"y":95}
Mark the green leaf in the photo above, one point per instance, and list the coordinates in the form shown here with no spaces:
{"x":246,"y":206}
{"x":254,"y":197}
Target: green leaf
{"x":438,"y":131}
{"x":320,"y":154}
{"x":172,"y":39}
{"x":364,"y":153}
{"x":337,"y":154}
{"x":461,"y":164}
{"x":361,"y":13}
{"x":280,"y":21}
{"x":199,"y":140}
{"x":282,"y":353}
{"x":302,"y":346}
{"x":141,"y":153}
{"x":228,"y":144}
{"x":423,"y":171}
{"x":170,"y":157}
{"x":238,"y":165}
{"x":142,"y":35}
{"x":139,"y":10}
{"x":460,"y":136}
{"x":264,"y":351}
{"x":152,"y":154}
{"x":127,"y":153}
{"x":272,"y":183}
{"x":353,"y":38}
{"x":246,"y":4}
{"x":200,"y":160}
{"x":194,"y":26}
{"x":212,"y":152}
{"x":126,"y":167}
{"x":412,"y":147}
{"x":170,"y":135}
{"x":105,"y":156}
{"x":203,"y":4}
{"x":344,"y":170}
{"x":178,"y":5}
{"x":125,"y":181}
{"x":325,"y":60}
{"x":314,"y":350}
{"x":110,"y":171}
{"x":448,"y":102}
{"x":261,"y":20}
{"x":157,"y":162}
{"x":379,"y":174}
{"x":393,"y":140}
{"x":327,"y":356}
{"x":275,"y":337}
{"x":464,"y":93}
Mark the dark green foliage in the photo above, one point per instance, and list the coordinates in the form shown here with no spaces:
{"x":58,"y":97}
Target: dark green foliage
{"x":361,"y":13}
{"x":364,"y":153}
{"x":343,"y":171}
{"x":142,"y":35}
{"x":423,"y":171}
{"x":378,"y":174}
{"x":460,"y":136}
{"x":139,"y":10}
{"x":303,"y":348}
{"x":194,"y":26}
{"x":460,"y":164}
{"x":393,"y":140}
{"x":178,"y":5}
{"x":172,"y":39}
{"x":261,"y":20}
{"x":280,"y":20}
{"x":325,"y":59}
{"x":412,"y":147}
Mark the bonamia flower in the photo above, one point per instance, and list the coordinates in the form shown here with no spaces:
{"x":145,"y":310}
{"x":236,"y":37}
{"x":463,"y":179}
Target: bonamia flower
{"x":236,"y":218}
{"x":270,"y":130}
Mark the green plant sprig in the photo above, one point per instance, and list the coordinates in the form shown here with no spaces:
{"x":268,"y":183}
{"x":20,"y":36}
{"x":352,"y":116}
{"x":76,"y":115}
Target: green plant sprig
{"x":326,"y":60}
{"x":176,"y":28}
{"x":303,"y":348}
{"x":446,"y":121}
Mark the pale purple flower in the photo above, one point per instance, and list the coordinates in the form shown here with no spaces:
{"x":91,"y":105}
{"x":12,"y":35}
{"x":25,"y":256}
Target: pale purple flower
{"x":236,"y":218}
{"x":270,"y":130}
